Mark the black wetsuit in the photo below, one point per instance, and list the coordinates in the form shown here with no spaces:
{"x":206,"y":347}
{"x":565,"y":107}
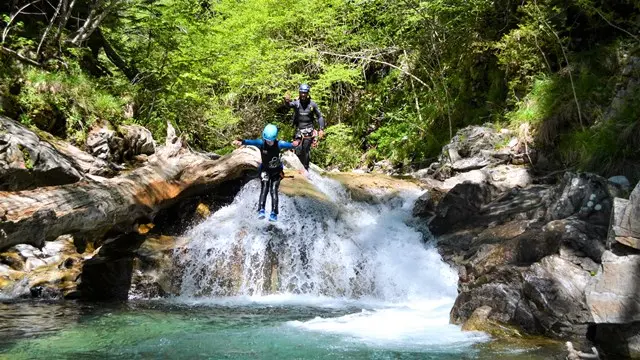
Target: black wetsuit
{"x":306,"y":113}
{"x":271,"y":170}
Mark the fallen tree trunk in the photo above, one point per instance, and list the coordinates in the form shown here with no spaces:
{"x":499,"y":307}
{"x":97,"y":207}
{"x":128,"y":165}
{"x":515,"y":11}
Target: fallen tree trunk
{"x":90,"y":208}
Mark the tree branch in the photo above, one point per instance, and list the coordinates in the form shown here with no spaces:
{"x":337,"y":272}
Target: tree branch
{"x":614,"y":26}
{"x":6,"y":29}
{"x":116,"y":59}
{"x":10,"y":52}
{"x":46,"y":31}
{"x":67,"y":8}
{"x":92,"y":22}
{"x":376,"y":61}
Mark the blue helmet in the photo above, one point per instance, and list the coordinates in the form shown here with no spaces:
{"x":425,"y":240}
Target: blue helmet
{"x":270,"y":132}
{"x":304,"y":88}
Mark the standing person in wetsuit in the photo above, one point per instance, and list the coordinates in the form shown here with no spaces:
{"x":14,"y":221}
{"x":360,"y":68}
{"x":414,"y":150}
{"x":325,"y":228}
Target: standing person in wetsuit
{"x":271,"y":169}
{"x":306,"y":113}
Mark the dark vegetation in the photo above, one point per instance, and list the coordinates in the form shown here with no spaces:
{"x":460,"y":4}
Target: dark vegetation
{"x":395,"y":79}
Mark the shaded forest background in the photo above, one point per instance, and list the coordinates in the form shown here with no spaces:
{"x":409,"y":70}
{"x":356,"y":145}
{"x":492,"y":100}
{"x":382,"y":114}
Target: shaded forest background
{"x":394,"y":79}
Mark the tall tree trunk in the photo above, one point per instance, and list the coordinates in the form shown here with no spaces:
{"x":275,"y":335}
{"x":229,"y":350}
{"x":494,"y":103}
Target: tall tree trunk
{"x":46,"y":31}
{"x":129,"y":71}
{"x":97,"y":14}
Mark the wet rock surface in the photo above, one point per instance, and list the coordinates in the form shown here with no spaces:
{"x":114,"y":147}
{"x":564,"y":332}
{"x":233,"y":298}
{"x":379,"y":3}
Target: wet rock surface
{"x":527,"y":251}
{"x":51,"y":272}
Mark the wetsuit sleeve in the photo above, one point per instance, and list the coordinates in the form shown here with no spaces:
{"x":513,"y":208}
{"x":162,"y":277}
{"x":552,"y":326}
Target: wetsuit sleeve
{"x":291,"y":104}
{"x":294,"y":105}
{"x":287,"y":105}
{"x":253,"y":142}
{"x":285,"y":145}
{"x":319,"y":115}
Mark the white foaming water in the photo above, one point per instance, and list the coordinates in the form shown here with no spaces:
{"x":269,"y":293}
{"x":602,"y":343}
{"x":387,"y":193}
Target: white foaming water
{"x":334,"y":254}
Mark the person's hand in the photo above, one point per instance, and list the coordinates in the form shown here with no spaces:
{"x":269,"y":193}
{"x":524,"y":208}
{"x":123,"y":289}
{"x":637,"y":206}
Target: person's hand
{"x":287,"y":97}
{"x":236,"y":142}
{"x":320,"y":134}
{"x":295,"y":142}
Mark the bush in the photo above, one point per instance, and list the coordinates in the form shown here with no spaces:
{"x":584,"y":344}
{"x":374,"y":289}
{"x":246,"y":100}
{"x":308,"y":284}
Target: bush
{"x":66,"y":104}
{"x":338,"y":149}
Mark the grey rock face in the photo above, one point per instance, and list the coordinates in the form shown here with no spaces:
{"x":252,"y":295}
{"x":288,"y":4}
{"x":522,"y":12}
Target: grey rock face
{"x":105,"y":144}
{"x":27,"y":162}
{"x":138,"y":139}
{"x":585,"y":195}
{"x":109,"y":145}
{"x":528,"y":253}
{"x":614,"y":294}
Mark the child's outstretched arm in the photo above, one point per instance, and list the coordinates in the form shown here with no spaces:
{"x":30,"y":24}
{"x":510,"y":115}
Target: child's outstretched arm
{"x":250,"y":142}
{"x":285,"y":145}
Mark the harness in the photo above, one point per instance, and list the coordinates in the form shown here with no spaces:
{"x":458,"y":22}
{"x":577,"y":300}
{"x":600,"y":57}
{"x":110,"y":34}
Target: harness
{"x":309,"y":133}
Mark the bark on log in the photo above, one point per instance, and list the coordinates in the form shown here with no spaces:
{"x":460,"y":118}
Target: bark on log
{"x":94,"y":206}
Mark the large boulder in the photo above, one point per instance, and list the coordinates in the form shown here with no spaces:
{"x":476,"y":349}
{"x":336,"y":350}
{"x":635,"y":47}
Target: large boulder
{"x":105,"y":144}
{"x":625,"y":221}
{"x":554,"y":289}
{"x":118,"y":146}
{"x":138,"y":140}
{"x":614,"y":294}
{"x":583,"y":238}
{"x":155,"y":273}
{"x":584,"y":194}
{"x":528,"y":253}
{"x":477,"y":147}
{"x":545,"y":298}
{"x":27,"y":162}
{"x":132,"y":264}
{"x":460,"y":204}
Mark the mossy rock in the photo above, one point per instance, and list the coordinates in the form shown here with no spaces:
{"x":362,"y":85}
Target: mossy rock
{"x":296,"y":184}
{"x":523,"y":346}
{"x":5,"y":282}
{"x":12,"y":259}
{"x":374,"y":188}
{"x":479,"y":321}
{"x":8,"y":279}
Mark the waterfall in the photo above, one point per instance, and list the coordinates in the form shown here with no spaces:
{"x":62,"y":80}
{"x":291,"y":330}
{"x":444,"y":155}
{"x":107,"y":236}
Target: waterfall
{"x":338,"y":249}
{"x":370,"y":261}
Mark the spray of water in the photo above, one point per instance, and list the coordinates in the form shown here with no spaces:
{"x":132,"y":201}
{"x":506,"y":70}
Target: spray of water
{"x":334,"y":253}
{"x":337,"y":248}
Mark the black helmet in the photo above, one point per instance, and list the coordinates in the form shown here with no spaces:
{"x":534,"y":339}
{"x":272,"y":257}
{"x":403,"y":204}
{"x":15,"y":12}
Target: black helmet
{"x":304,"y":88}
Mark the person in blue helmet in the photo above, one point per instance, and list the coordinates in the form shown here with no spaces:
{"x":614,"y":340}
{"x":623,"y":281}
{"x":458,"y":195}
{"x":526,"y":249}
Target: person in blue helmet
{"x":271,"y":169}
{"x":306,"y":113}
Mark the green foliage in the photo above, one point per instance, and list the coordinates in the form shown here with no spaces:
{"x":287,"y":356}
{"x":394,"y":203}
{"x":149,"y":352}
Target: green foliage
{"x":339,"y":148}
{"x":394,"y":79}
{"x":537,"y":105}
{"x":610,"y":147}
{"x":28,"y":162}
{"x":48,"y":98}
{"x":523,"y":51}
